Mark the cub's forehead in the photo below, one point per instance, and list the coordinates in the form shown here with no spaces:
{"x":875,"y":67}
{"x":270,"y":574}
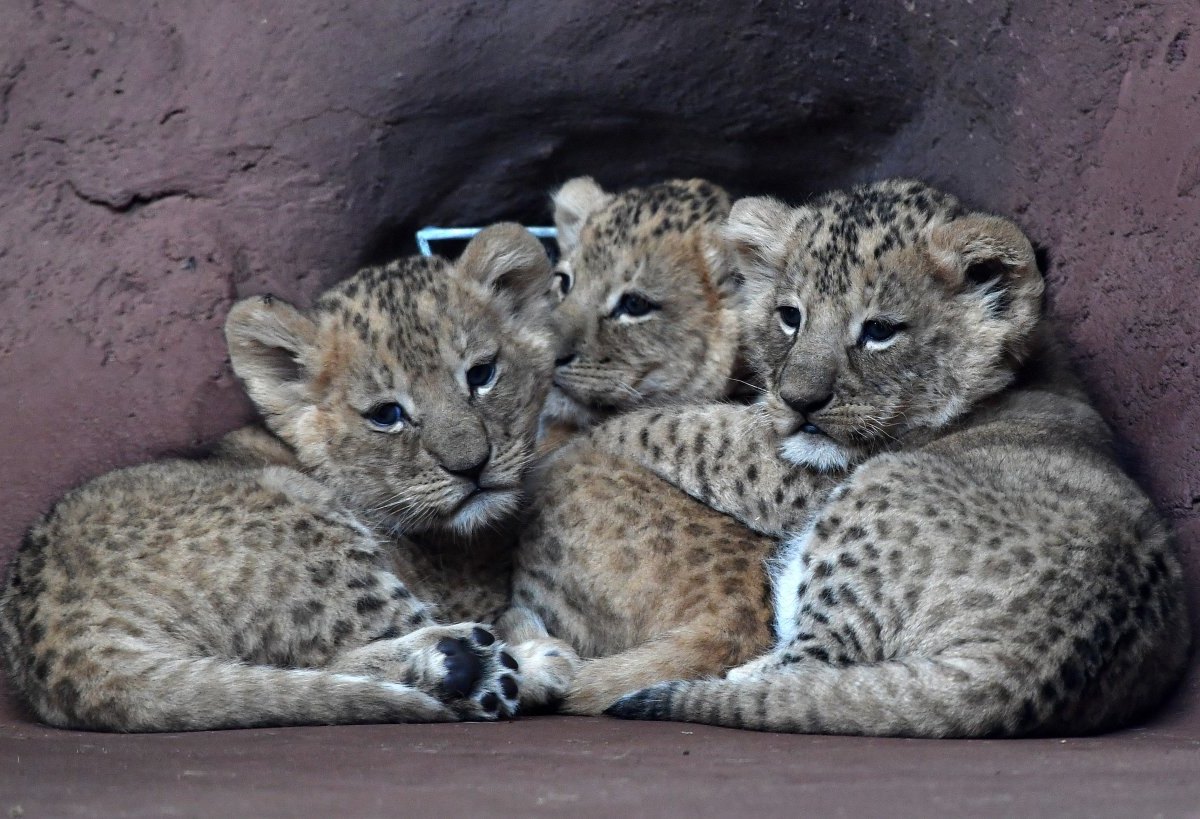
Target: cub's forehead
{"x":635,"y":221}
{"x":409,"y":309}
{"x":845,"y":236}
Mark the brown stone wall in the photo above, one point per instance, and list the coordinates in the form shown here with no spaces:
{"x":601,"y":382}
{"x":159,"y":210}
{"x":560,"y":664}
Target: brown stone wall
{"x":159,"y":160}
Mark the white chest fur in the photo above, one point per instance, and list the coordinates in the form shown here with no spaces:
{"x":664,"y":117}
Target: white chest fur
{"x":788,"y":570}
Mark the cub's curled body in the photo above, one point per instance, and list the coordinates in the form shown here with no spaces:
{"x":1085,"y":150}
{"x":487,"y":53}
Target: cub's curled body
{"x":271,"y":585}
{"x":647,"y":316}
{"x":987,"y":569}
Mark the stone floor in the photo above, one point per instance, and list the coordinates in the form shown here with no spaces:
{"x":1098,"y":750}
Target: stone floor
{"x":592,"y":767}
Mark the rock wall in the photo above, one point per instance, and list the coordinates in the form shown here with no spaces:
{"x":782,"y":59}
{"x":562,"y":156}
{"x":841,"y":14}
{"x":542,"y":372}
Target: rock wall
{"x":159,"y":160}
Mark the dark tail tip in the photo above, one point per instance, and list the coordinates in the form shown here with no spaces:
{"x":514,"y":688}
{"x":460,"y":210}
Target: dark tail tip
{"x":1044,"y":259}
{"x":649,"y":703}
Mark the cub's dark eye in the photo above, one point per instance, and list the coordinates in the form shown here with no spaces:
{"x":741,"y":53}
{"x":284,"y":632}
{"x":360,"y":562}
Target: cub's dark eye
{"x":481,"y":375}
{"x":562,"y":281}
{"x":633,"y":305}
{"x":386,"y":415}
{"x":878,"y":330}
{"x":790,"y":317}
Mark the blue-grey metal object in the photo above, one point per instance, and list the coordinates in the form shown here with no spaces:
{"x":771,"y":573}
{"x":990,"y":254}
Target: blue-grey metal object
{"x":436,"y":234}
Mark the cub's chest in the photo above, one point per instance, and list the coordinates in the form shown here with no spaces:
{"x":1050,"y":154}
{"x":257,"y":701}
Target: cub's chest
{"x":466,"y":580}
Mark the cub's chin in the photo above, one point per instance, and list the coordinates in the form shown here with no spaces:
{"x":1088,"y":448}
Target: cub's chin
{"x":484,"y":508}
{"x":816,"y":450}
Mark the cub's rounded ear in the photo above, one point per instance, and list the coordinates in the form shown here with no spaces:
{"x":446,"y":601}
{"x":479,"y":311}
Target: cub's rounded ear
{"x":509,"y":261}
{"x":720,"y":259}
{"x":574,"y":202}
{"x":270,"y":343}
{"x":757,"y":232}
{"x":988,"y":256}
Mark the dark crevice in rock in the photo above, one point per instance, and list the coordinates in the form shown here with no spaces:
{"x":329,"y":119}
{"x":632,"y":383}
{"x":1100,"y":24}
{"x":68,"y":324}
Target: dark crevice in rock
{"x":133,"y":201}
{"x":9,"y":82}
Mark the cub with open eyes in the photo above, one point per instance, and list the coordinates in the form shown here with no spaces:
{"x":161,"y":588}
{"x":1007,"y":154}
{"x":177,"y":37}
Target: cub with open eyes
{"x":986,"y":569}
{"x":648,"y":301}
{"x":647,"y":315}
{"x":274,"y":585}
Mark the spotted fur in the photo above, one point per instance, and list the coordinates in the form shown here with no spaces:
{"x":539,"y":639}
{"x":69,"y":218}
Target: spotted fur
{"x":986,"y":569}
{"x":661,"y":244}
{"x":272,"y":584}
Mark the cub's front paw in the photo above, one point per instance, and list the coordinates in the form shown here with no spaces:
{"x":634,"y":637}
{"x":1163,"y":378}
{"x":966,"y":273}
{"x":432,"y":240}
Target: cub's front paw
{"x":546,"y":670}
{"x":463,"y":665}
{"x":478,"y":677}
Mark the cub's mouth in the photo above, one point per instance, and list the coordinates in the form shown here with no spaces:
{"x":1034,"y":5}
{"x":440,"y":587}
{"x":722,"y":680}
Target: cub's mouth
{"x":808,"y":444}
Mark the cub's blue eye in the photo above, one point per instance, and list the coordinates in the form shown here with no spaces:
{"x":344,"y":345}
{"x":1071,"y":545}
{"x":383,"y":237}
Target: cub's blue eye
{"x":790,"y":316}
{"x":878,"y":330}
{"x":633,"y":304}
{"x":385,"y":415}
{"x":481,"y":375}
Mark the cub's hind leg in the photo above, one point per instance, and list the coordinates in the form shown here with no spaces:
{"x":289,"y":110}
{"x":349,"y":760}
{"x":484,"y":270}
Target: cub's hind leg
{"x":704,"y":648}
{"x":630,"y":570}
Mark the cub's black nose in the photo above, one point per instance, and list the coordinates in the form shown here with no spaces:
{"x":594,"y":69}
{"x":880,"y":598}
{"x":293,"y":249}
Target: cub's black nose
{"x":805,"y":404}
{"x":473,"y":472}
{"x":564,"y":361}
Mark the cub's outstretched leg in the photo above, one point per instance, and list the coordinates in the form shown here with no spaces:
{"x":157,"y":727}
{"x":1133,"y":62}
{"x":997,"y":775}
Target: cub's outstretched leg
{"x":726,"y":456}
{"x":282,"y":610}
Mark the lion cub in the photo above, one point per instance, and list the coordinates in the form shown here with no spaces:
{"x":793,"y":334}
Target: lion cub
{"x":276,"y":587}
{"x":986,"y":569}
{"x":647,"y":315}
{"x":885,"y":317}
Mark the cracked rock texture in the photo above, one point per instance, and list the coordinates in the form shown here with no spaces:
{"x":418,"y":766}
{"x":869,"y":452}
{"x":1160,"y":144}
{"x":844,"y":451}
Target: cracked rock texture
{"x":159,"y":160}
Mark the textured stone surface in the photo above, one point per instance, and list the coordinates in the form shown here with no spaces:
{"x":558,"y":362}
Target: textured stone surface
{"x":158,"y":160}
{"x":586,"y":767}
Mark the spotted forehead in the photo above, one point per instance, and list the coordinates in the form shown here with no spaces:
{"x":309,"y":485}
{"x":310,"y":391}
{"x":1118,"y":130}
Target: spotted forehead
{"x":843,"y":230}
{"x":389,"y":307}
{"x":638,"y":218}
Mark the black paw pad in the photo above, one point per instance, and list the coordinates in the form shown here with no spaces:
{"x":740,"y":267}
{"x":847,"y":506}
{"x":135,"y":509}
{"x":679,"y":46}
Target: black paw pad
{"x":463,"y":667}
{"x":490,"y":702}
{"x":507,"y":661}
{"x":509,"y":686}
{"x":482,"y":636}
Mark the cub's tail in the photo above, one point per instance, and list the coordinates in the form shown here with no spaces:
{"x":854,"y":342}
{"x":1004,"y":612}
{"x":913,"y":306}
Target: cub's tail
{"x":903,"y":698}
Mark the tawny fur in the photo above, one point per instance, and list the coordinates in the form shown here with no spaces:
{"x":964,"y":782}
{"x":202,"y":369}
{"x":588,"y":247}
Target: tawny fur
{"x":660,"y":244}
{"x":274,"y":583}
{"x":986,"y":569}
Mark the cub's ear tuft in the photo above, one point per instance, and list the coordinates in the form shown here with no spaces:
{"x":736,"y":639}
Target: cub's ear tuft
{"x":574,"y":202}
{"x":757,"y":233}
{"x":988,"y":257}
{"x":509,"y":261}
{"x":270,"y":345}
